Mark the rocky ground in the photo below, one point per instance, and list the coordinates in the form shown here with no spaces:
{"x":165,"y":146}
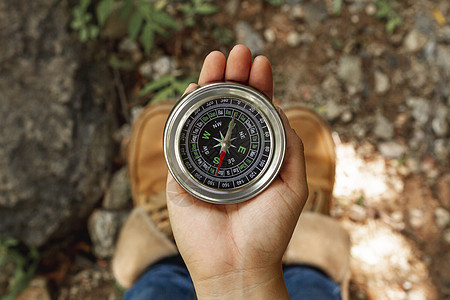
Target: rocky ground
{"x":386,"y":97}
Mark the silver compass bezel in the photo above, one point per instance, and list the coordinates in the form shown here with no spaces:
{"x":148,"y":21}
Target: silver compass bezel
{"x":187,"y":105}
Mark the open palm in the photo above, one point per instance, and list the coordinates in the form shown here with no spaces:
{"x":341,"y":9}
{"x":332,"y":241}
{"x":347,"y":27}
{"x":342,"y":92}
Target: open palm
{"x":220,"y":240}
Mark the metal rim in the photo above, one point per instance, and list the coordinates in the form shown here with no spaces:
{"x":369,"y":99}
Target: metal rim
{"x":187,"y":105}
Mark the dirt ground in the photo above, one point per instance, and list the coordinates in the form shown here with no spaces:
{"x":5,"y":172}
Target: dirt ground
{"x":392,"y":177}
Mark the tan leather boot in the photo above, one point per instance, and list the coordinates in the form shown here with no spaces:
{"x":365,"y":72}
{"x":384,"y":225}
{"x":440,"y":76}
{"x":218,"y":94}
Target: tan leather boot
{"x":146,"y":236}
{"x":318,"y":240}
{"x":147,"y":166}
{"x":140,"y":244}
{"x":320,"y":156}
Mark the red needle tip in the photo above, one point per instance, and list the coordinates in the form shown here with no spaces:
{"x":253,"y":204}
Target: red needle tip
{"x":222,"y":155}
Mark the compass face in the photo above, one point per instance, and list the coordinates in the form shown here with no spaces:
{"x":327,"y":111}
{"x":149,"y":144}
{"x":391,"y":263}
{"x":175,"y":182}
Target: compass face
{"x":201,"y":143}
{"x":224,"y":142}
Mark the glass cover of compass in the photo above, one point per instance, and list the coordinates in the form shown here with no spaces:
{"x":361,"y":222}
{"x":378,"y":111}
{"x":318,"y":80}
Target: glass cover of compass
{"x":224,"y":142}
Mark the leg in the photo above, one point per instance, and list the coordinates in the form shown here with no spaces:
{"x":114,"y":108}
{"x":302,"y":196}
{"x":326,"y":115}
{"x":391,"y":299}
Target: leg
{"x":318,"y":257}
{"x":146,"y":236}
{"x":167,"y":279}
{"x":309,"y":283}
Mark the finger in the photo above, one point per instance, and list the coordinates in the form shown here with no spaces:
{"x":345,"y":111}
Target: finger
{"x":213,"y":68}
{"x":293,"y":172}
{"x":190,"y":88}
{"x":238,"y":64}
{"x":261,"y":76}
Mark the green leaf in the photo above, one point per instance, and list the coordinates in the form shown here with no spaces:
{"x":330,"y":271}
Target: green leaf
{"x":134,"y":26}
{"x":104,"y":9}
{"x":207,"y":9}
{"x":158,"y":29}
{"x":94,"y":31}
{"x":337,"y":7}
{"x":165,"y":20}
{"x":83,"y":35}
{"x":189,"y":21}
{"x":84,"y":4}
{"x":156,"y":85}
{"x":119,"y":64}
{"x":275,"y":2}
{"x":164,"y":94}
{"x":146,"y":9}
{"x":147,"y":38}
{"x":126,"y":9}
{"x":187,"y":8}
{"x":393,"y":23}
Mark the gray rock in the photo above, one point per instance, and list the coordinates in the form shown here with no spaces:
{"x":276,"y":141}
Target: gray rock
{"x":293,"y":39}
{"x":56,"y":142}
{"x":346,"y":116}
{"x":371,"y":9}
{"x":382,"y":84}
{"x":146,"y":69}
{"x":446,"y":236}
{"x":425,"y":24}
{"x":135,"y":113}
{"x":430,"y":50}
{"x":443,"y":59}
{"x":445,"y":36}
{"x":439,"y":123}
{"x":442,"y":217}
{"x":163,"y":66}
{"x":420,"y":110}
{"x":315,"y":13}
{"x":441,"y":149}
{"x":246,"y":35}
{"x":269,"y":35}
{"x":123,"y":132}
{"x":359,"y":130}
{"x":297,"y":12}
{"x":119,"y":193}
{"x":128,"y":46}
{"x":103,"y":227}
{"x":416,"y":218}
{"x":350,"y":71}
{"x":357,"y":213}
{"x":232,"y":7}
{"x":392,"y":149}
{"x":333,"y":110}
{"x":414,"y":41}
{"x":384,"y":129}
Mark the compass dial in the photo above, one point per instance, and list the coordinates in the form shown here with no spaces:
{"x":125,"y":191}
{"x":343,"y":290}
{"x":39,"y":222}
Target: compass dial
{"x":224,"y":142}
{"x":249,"y":146}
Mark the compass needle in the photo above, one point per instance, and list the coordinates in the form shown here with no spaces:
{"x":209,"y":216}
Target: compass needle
{"x":226,"y":142}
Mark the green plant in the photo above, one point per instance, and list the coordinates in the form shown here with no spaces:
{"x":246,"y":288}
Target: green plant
{"x":24,"y":264}
{"x":197,"y":7}
{"x":275,"y":2}
{"x":360,"y":201}
{"x":166,"y":87}
{"x":145,"y":18}
{"x":386,"y":11}
{"x":223,"y":35}
{"x":146,"y":21}
{"x":83,"y":22}
{"x":336,"y":7}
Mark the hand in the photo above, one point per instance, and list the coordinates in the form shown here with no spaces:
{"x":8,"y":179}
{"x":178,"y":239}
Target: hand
{"x":235,"y":250}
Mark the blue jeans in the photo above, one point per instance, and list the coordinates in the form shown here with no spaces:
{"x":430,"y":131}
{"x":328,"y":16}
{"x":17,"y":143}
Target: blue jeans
{"x":169,"y":279}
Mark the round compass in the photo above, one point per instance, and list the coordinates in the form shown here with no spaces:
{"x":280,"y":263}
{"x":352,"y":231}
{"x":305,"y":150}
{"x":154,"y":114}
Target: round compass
{"x":224,"y":142}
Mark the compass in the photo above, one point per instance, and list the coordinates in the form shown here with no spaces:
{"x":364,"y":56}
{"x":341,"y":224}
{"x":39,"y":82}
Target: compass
{"x":224,"y":142}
